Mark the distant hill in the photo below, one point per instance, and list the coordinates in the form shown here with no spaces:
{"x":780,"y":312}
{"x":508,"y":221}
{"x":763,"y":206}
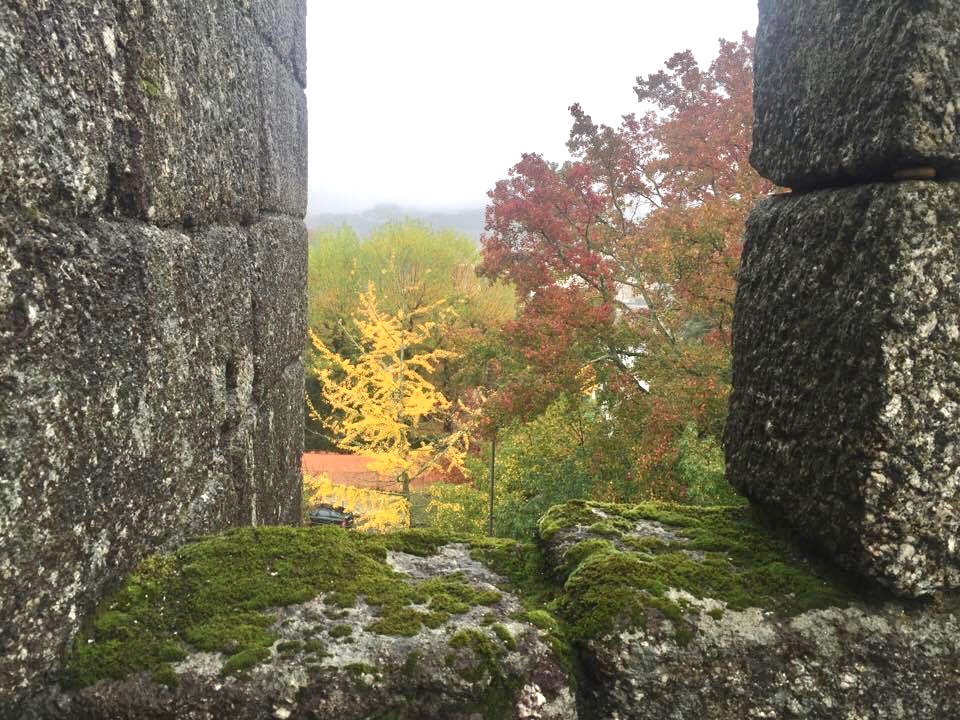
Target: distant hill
{"x":469,"y":222}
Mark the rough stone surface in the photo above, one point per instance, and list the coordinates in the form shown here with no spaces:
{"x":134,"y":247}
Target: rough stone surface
{"x":152,"y":279}
{"x":845,"y":413}
{"x":358,"y":675}
{"x":875,"y":658}
{"x":132,"y":407}
{"x":852,"y":91}
{"x":283,"y":117}
{"x":853,"y":663}
{"x":282,"y":22}
{"x":681,"y":640}
{"x":168,"y":111}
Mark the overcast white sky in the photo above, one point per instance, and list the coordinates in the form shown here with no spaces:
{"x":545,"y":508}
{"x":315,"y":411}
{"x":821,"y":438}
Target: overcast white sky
{"x":427,"y":103}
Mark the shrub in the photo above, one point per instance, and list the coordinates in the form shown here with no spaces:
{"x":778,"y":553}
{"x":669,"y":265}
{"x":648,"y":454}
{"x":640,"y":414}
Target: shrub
{"x":701,"y":469}
{"x":457,"y":508}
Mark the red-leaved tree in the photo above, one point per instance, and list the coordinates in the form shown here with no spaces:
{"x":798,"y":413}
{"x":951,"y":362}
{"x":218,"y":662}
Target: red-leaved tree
{"x":625,"y":257}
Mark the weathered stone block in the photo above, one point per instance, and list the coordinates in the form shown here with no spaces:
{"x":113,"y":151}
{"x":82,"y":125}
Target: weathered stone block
{"x":283,"y":24}
{"x":129,"y":412}
{"x":176,"y":113}
{"x":62,"y":94}
{"x":369,"y":649}
{"x":277,"y":449}
{"x":283,"y":139}
{"x":193,"y":100}
{"x":845,"y":411}
{"x":707,"y":614}
{"x":279,"y":295}
{"x":150,"y":378}
{"x":854,"y":91}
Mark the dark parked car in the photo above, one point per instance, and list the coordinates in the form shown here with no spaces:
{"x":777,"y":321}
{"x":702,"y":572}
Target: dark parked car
{"x":329,"y":515}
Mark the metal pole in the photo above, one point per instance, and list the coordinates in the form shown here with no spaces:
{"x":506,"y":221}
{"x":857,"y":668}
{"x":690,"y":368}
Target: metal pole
{"x":493,"y":460}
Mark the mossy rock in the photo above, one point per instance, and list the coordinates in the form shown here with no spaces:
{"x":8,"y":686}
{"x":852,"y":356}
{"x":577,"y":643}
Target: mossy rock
{"x":613,"y":575}
{"x":216,"y":594}
{"x":709,"y":588}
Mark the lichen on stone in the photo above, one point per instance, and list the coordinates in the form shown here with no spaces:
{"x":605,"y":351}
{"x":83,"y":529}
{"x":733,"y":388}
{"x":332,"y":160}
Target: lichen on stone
{"x":613,"y":572}
{"x":216,"y":594}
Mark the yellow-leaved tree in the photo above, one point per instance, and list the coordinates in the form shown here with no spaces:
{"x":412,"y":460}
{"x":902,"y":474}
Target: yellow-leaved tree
{"x":377,"y":511}
{"x":383,"y":403}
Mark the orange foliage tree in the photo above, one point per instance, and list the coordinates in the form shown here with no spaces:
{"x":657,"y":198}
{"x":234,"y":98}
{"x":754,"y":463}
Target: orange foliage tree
{"x":625,"y":257}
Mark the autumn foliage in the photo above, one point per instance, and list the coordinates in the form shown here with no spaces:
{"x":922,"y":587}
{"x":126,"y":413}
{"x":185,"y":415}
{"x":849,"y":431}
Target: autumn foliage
{"x":376,"y":511}
{"x":382,"y":401}
{"x":593,"y":350}
{"x":625,"y":257}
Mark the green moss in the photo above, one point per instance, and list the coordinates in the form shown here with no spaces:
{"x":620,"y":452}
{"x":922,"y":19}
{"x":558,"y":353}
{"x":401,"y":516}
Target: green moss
{"x":164,"y":674}
{"x":453,"y":594}
{"x":607,"y":590}
{"x":541,"y":619}
{"x":434,"y":620}
{"x":571,"y":514}
{"x":488,"y":597}
{"x":523,"y":567}
{"x":360,"y":669}
{"x":722,"y":553}
{"x":480,"y":662}
{"x":422,"y":542}
{"x":289,"y":647}
{"x":314,"y":646}
{"x":405,"y":622}
{"x":505,"y":636}
{"x":215,"y":594}
{"x":244,"y":660}
{"x":230,"y":634}
{"x":411,"y":663}
{"x":644,"y":543}
{"x":149,"y":88}
{"x":339,"y":631}
{"x":484,"y":654}
{"x":576,"y":554}
{"x":520,"y":564}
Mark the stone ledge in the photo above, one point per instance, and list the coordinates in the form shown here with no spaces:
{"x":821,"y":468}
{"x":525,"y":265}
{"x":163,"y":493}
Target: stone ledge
{"x":686,"y":613}
{"x":647,"y":612}
{"x":335,"y":623}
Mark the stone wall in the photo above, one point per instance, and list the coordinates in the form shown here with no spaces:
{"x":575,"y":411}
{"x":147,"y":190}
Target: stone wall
{"x":152,"y":292}
{"x":845,"y":412}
